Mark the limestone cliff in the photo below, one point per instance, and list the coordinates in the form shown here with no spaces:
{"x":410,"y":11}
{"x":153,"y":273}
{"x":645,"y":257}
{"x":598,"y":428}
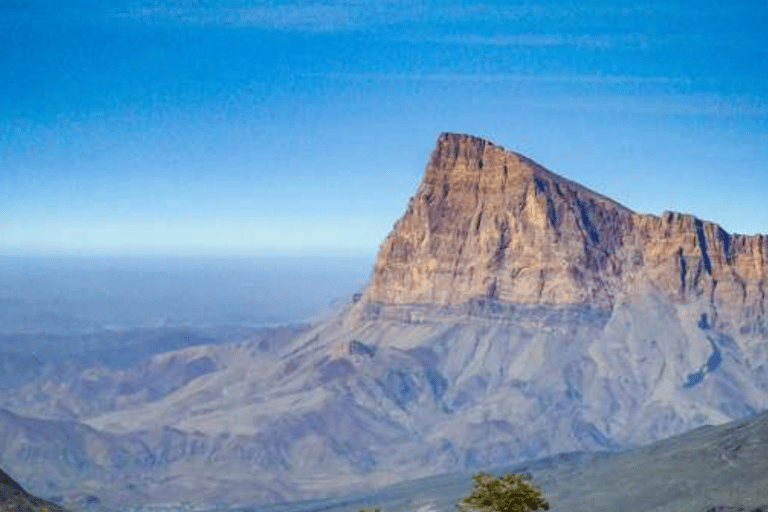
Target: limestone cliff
{"x":486,"y":222}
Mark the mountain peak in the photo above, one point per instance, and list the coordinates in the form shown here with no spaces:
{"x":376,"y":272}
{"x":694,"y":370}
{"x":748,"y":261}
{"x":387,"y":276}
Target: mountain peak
{"x":490,"y":223}
{"x":459,"y":152}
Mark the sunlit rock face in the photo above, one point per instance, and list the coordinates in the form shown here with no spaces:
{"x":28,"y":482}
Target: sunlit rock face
{"x":486,"y":222}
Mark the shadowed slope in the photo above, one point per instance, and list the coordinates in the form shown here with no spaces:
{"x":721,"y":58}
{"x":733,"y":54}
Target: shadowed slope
{"x":13,"y":498}
{"x":710,"y":469}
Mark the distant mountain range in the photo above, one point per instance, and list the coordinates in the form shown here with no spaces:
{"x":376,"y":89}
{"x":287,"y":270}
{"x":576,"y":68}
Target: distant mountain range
{"x":78,"y":377}
{"x":511,"y":315}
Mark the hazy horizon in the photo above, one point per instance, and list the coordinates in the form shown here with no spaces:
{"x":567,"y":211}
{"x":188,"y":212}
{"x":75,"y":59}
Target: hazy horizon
{"x":69,"y":294}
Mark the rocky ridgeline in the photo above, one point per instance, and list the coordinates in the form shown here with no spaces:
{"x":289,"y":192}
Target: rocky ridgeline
{"x":486,"y":222}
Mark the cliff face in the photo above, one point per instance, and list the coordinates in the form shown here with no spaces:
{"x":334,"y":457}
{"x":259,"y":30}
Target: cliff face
{"x":486,"y":222}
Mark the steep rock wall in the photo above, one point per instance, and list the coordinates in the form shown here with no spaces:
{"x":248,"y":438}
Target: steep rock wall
{"x":486,"y":222}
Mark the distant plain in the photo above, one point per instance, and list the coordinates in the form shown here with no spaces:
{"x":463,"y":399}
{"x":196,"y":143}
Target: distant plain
{"x":68,"y":294}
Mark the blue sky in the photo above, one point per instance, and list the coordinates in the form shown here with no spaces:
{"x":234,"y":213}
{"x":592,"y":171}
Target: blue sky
{"x":238,"y":127}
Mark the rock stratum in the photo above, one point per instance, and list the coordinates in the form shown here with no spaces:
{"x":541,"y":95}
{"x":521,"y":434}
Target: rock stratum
{"x":486,"y":222}
{"x":511,"y":314}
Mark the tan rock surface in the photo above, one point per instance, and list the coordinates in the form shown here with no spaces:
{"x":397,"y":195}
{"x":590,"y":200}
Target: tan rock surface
{"x":486,"y":222}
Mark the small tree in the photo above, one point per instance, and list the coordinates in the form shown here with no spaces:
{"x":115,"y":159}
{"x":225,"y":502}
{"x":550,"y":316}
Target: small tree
{"x":510,"y":493}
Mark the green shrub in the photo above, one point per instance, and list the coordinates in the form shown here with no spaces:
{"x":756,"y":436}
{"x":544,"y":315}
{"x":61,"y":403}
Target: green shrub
{"x":509,"y":493}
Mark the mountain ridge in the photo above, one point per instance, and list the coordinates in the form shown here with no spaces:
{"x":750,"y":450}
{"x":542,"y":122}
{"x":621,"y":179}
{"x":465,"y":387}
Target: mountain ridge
{"x":485,"y":222}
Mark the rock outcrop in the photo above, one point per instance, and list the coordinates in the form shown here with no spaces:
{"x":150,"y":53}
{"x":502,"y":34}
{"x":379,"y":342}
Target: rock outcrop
{"x":491,"y":223}
{"x":13,"y":498}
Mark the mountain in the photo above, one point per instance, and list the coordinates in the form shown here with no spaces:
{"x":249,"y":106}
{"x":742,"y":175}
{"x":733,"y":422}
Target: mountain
{"x":491,"y":223}
{"x":511,"y":315}
{"x":13,"y":498}
{"x":82,"y":467}
{"x":76,"y":387}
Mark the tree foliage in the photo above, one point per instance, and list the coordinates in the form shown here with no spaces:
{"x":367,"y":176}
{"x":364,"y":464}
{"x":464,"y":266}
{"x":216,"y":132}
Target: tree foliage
{"x":510,"y":493}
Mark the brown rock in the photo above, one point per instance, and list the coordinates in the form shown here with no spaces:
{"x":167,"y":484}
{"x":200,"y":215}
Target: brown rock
{"x":486,"y":222}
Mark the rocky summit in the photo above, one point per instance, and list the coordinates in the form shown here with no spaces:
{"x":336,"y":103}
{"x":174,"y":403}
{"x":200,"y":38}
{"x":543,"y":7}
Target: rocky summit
{"x":490,"y":223}
{"x":511,"y":314}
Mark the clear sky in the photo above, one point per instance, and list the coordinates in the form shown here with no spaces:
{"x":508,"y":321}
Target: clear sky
{"x":243,"y":127}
